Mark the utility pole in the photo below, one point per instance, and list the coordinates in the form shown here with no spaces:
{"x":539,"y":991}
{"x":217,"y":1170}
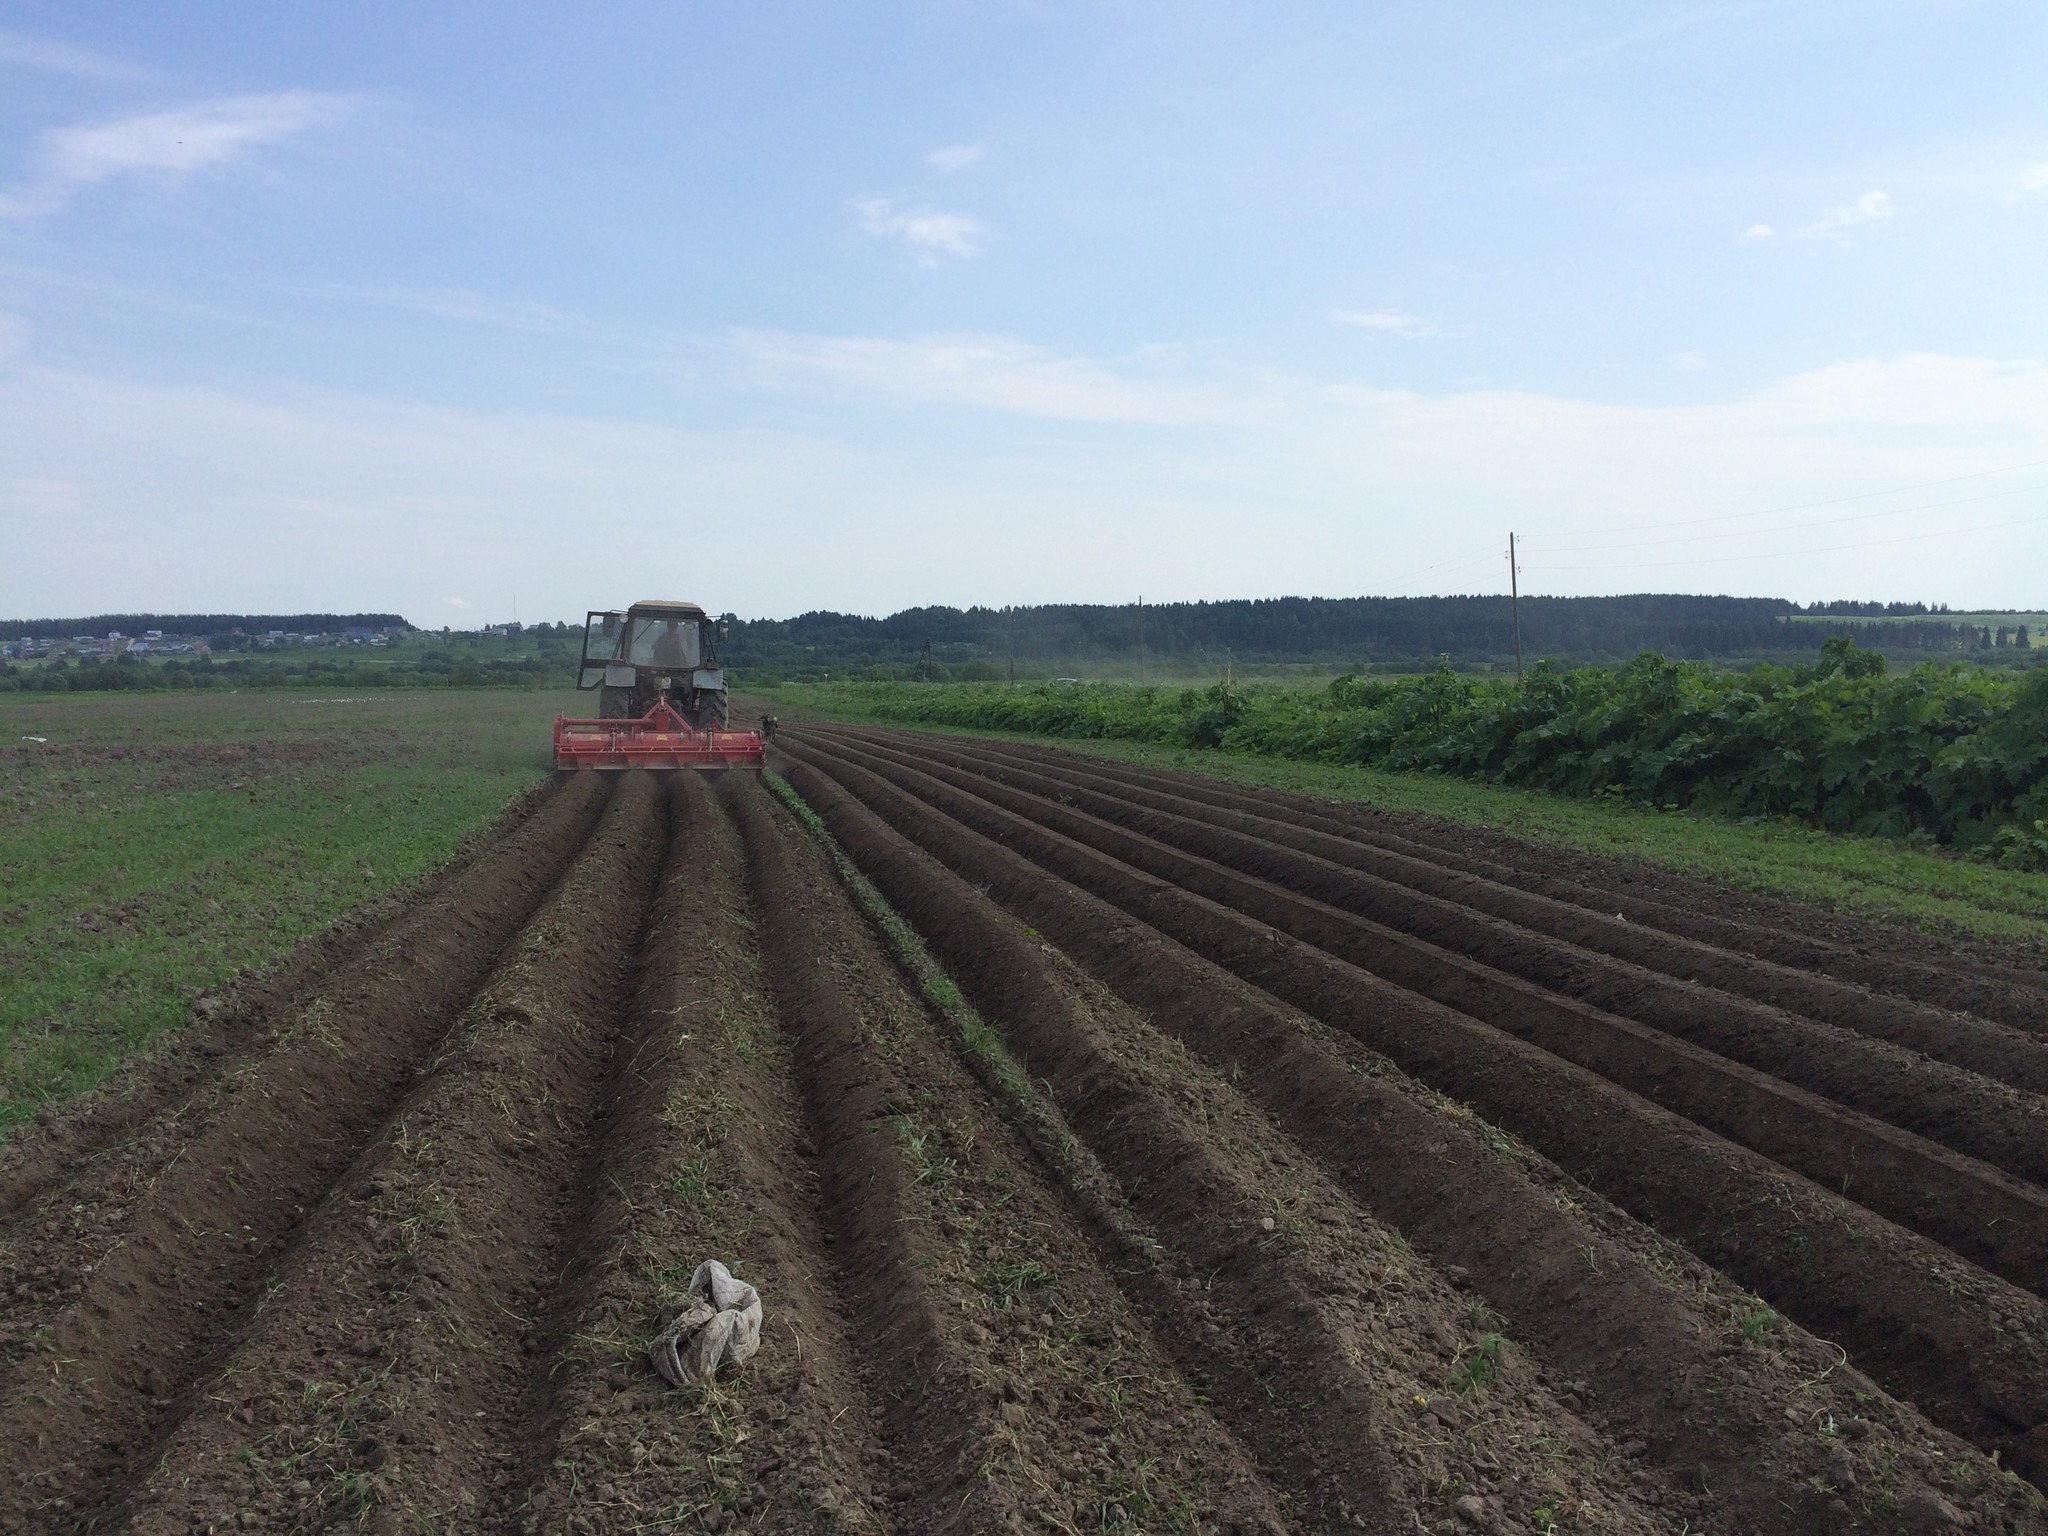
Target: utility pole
{"x":1515,"y":607}
{"x":1141,"y":637}
{"x":1013,"y":647}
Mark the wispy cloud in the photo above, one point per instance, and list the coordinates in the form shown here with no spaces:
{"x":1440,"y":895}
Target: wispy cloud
{"x":1388,"y":322}
{"x":2033,"y":182}
{"x":465,"y":305}
{"x":927,"y":231}
{"x":1872,"y":207}
{"x":953,"y":157}
{"x":182,"y":142}
{"x":1759,"y":232}
{"x":991,"y":372}
{"x":343,"y":502}
{"x":64,"y":59}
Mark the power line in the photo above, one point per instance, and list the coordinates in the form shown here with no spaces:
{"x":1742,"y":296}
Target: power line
{"x":1450,"y":563}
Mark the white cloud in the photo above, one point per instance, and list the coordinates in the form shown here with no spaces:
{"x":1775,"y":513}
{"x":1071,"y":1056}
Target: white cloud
{"x":1692,"y":360}
{"x":1872,"y":207}
{"x":927,"y":231}
{"x":456,"y":602}
{"x":991,"y":372}
{"x":63,"y":58}
{"x":179,"y":143}
{"x":1108,"y":476}
{"x":1759,"y":232}
{"x":1388,"y":322}
{"x":953,"y":157}
{"x":2033,"y":182}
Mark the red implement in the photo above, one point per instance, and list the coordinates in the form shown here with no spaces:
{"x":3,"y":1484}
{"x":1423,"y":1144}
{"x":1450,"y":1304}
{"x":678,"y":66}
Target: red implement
{"x":661,"y":738}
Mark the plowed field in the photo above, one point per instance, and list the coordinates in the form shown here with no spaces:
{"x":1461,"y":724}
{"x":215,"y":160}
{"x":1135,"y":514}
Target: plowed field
{"x":1113,"y":1150}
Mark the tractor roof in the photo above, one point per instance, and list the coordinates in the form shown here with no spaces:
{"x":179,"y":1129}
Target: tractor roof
{"x":667,"y":605}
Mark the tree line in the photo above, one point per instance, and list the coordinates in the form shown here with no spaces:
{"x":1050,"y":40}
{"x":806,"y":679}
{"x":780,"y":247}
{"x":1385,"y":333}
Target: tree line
{"x":131,"y":624}
{"x":1348,"y":632}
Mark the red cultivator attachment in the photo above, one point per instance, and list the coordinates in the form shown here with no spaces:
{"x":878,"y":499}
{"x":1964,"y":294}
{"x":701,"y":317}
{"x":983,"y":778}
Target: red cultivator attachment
{"x":661,"y":738}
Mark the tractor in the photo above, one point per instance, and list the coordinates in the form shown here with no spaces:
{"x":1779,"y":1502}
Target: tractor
{"x":662,"y":699}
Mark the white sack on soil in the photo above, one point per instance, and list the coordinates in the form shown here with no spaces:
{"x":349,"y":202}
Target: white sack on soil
{"x":720,"y":1325}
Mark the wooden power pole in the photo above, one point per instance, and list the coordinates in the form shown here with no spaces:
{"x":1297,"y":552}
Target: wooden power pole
{"x":1141,"y":637}
{"x":1515,"y":608}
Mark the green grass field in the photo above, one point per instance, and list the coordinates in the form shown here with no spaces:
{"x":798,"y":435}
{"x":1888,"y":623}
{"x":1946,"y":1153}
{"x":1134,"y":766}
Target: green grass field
{"x":151,"y":846}
{"x":1872,"y":877}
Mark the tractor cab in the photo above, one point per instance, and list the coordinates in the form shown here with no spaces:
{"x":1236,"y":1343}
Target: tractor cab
{"x":678,"y":636}
{"x":654,"y":650}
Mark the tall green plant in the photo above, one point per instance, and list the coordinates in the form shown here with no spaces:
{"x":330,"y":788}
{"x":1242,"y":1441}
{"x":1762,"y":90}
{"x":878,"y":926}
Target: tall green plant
{"x":1950,"y":753}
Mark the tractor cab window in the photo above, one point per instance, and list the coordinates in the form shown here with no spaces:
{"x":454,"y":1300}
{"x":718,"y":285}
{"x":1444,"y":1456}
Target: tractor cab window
{"x":602,"y":636}
{"x":665,"y":641}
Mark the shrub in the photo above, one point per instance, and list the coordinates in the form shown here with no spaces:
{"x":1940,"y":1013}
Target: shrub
{"x":1951,"y":753}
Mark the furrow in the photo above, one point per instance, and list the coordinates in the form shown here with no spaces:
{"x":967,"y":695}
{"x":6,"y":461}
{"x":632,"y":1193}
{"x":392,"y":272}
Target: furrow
{"x":1012,"y":1378}
{"x":2008,"y":1054}
{"x":702,"y":1155}
{"x":120,"y":1133}
{"x":1409,"y":936}
{"x":1936,"y":1330}
{"x":1369,"y":1389}
{"x":1793,"y":936}
{"x":1974,"y":1209}
{"x":381,"y":1381}
{"x":120,"y":1361}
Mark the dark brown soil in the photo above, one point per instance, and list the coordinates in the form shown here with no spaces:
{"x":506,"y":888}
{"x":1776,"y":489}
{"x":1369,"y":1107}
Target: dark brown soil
{"x":1986,"y":1119}
{"x":2012,"y":1055}
{"x":69,"y":1142}
{"x":1164,"y":1238}
{"x":704,"y":1156}
{"x":1759,"y":1227}
{"x":2003,"y":982}
{"x":1297,"y":1295}
{"x":385,"y":1367}
{"x":2001,"y":1222}
{"x":157,"y":1279}
{"x":1010,"y":1366}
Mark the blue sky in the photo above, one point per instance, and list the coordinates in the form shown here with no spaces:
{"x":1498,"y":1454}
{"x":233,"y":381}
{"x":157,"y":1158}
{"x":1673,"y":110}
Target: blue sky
{"x":790,"y":306}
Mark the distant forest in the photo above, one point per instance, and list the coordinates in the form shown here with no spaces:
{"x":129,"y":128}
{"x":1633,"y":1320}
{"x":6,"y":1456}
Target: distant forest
{"x":1347,"y":633}
{"x":1182,"y":639}
{"x":100,"y":625}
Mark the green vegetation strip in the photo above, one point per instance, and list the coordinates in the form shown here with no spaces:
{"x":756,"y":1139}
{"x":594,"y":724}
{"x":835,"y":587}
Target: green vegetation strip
{"x":543,"y":656}
{"x":152,"y":847}
{"x":1869,"y":876}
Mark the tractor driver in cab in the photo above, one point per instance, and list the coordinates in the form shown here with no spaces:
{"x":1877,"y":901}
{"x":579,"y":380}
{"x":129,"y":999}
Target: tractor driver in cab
{"x":669,"y":648}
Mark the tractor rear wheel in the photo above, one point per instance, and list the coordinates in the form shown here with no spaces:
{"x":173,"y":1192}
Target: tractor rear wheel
{"x":615,"y":704}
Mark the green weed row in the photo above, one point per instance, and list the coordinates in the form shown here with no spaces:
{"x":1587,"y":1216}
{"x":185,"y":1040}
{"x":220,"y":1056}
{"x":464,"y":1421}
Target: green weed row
{"x":1943,"y":755}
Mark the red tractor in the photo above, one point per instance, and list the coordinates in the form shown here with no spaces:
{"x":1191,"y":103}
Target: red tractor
{"x":662,"y":700}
